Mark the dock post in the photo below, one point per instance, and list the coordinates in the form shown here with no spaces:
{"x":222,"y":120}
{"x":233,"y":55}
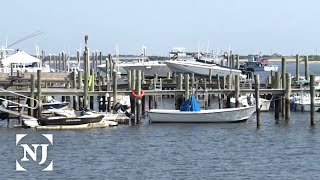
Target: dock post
{"x":100,"y":57}
{"x":306,"y":67}
{"x":63,"y":61}
{"x":257,"y":95}
{"x":78,"y":56}
{"x":277,"y":100}
{"x":55,"y":63}
{"x":155,"y":81}
{"x":288,"y":93}
{"x":96,"y":60}
{"x":219,"y":87}
{"x":86,"y":72}
{"x":80,"y":83}
{"x":138,"y":92}
{"x":179,"y":98}
{"x":237,"y":90}
{"x":74,"y":86}
{"x":229,"y":88}
{"x":186,"y":86}
{"x":312,"y":96}
{"x":107,"y":69}
{"x":192,"y":81}
{"x":110,"y":66}
{"x":237,"y":61}
{"x":39,"y":93}
{"x":232,"y":61}
{"x":115,"y":87}
{"x":91,"y":87}
{"x":283,"y":78}
{"x":32,"y":85}
{"x":133,"y":99}
{"x":49,"y":60}
{"x":59,"y":61}
{"x":297,"y":67}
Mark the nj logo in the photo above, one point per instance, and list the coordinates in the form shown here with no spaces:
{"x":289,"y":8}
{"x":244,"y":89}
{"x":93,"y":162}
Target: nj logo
{"x":32,"y":152}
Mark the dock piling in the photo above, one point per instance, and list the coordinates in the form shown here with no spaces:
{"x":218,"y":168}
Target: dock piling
{"x":257,"y":95}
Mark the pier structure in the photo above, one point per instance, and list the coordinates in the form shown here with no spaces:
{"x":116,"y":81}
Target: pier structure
{"x":85,"y":84}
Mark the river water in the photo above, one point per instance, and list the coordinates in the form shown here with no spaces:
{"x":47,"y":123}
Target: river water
{"x":278,"y":150}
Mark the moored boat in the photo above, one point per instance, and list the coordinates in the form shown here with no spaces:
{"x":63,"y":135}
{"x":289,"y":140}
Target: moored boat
{"x":195,"y":115}
{"x":60,"y":120}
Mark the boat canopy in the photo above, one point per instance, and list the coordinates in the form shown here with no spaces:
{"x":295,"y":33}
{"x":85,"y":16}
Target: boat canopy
{"x":190,"y":105}
{"x":20,"y":58}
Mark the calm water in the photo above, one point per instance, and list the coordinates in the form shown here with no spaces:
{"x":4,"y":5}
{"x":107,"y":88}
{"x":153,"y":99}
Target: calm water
{"x":278,"y":150}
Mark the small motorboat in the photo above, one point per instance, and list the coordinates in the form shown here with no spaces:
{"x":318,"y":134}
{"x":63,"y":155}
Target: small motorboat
{"x":75,"y":120}
{"x":190,"y":112}
{"x":110,"y":119}
{"x":51,"y":103}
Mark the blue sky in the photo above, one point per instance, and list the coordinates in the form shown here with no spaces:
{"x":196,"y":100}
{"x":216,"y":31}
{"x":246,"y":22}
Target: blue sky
{"x":267,"y":26}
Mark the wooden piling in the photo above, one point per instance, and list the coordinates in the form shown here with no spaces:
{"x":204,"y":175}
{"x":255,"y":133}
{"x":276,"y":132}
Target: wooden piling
{"x":283,"y":78}
{"x":132,"y":98}
{"x":100,"y":58}
{"x":115,"y":87}
{"x":138,"y":92}
{"x":297,"y":67}
{"x":288,"y":94}
{"x":74,"y":86}
{"x":59,"y":60}
{"x":192,"y":81}
{"x":39,"y":94}
{"x":179,"y":98}
{"x":63,"y":61}
{"x":277,"y":98}
{"x":306,"y":67}
{"x":312,"y":96}
{"x":86,"y":72}
{"x":110,"y":66}
{"x":257,"y":95}
{"x":228,"y":87}
{"x":32,"y":85}
{"x":219,"y":87}
{"x":186,"y":86}
{"x":237,"y":61}
{"x":237,"y":90}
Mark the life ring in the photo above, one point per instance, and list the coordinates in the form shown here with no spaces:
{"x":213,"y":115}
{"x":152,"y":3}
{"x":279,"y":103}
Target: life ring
{"x":136,"y":95}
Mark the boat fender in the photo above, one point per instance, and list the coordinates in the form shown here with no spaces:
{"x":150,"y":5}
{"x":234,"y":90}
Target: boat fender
{"x":136,"y":95}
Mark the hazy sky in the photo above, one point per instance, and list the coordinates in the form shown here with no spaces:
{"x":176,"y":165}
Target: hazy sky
{"x":269,"y":26}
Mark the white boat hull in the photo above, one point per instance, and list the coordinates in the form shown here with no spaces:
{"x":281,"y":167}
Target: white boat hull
{"x":148,"y":68}
{"x":203,"y":116}
{"x":199,"y":68}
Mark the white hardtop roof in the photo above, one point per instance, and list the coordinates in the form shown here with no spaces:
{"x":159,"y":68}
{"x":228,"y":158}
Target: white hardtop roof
{"x":20,"y":57}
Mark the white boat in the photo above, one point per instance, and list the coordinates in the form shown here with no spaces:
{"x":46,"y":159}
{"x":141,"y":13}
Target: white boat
{"x":203,"y":116}
{"x":190,"y":113}
{"x":249,"y":100}
{"x":110,"y":119}
{"x":303,"y":103}
{"x":258,"y":64}
{"x":200,"y":68}
{"x":149,"y":68}
{"x":23,"y":62}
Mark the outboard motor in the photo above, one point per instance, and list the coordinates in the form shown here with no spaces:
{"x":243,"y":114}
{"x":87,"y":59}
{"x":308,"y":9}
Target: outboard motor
{"x":123,"y":109}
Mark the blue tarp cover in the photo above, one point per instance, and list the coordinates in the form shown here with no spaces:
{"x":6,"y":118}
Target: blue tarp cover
{"x":190,"y":105}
